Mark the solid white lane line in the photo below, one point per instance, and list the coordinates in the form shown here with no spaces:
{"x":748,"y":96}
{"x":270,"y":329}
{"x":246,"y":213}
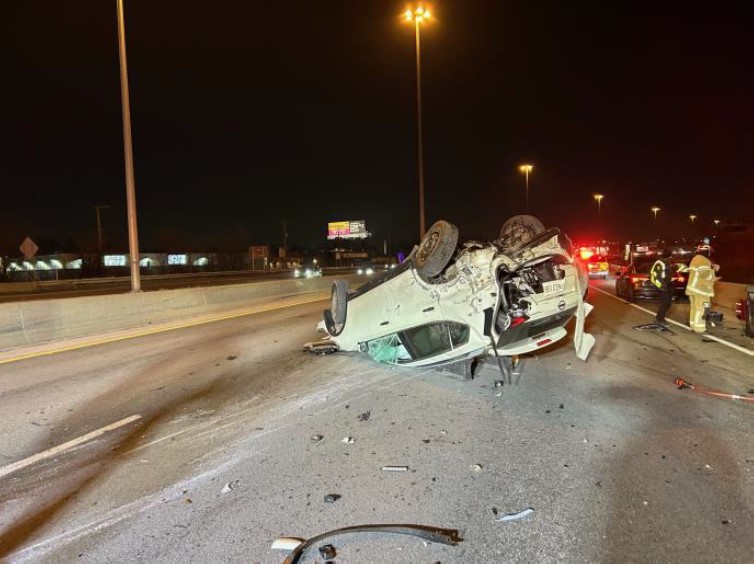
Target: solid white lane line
{"x":732,"y":345}
{"x":65,"y":446}
{"x":674,"y":322}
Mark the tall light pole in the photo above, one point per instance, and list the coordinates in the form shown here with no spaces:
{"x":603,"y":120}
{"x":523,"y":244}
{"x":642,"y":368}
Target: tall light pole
{"x":598,"y":198}
{"x":419,"y":16}
{"x":98,"y":209}
{"x":526,"y":169}
{"x":133,"y":234}
{"x":692,"y":217}
{"x":655,"y":209}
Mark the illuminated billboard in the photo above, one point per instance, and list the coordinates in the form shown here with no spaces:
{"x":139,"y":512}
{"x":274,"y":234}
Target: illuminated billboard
{"x":347,"y":229}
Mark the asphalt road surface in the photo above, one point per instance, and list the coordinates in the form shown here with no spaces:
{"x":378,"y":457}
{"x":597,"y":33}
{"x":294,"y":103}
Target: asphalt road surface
{"x":207,"y":443}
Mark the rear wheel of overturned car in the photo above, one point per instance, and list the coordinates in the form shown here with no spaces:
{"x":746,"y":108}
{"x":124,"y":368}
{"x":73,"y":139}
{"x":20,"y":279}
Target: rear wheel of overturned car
{"x":339,"y":304}
{"x":436,"y":249}
{"x":519,"y":229}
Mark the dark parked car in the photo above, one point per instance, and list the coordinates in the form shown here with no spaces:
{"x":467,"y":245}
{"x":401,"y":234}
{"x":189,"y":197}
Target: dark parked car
{"x":633,"y":281}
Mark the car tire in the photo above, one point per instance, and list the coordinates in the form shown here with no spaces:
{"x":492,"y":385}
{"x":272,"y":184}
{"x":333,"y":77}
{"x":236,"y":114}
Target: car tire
{"x":519,"y":229}
{"x":339,"y":304}
{"x":436,"y":249}
{"x":630,"y":295}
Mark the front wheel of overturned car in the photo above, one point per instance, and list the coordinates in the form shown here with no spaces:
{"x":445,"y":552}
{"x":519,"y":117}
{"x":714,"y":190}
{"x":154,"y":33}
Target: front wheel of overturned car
{"x":339,"y":304}
{"x":436,"y":249}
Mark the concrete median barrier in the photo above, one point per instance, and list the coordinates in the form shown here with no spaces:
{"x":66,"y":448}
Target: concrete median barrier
{"x":36,"y":322}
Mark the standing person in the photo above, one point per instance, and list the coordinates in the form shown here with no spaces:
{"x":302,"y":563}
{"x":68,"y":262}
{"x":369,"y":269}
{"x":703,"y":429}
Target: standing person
{"x":662,"y":277}
{"x":700,"y":288}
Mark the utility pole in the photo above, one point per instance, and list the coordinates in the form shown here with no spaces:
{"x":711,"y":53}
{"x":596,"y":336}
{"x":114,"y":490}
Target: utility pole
{"x":133,"y":234}
{"x":285,"y":242}
{"x":99,"y":227}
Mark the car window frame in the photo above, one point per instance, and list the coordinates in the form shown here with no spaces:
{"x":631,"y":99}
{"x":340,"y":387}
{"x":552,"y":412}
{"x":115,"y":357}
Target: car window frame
{"x":413,"y":351}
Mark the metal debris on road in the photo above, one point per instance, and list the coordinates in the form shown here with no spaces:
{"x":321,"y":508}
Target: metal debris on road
{"x":654,"y":326}
{"x":226,"y":488}
{"x":515,"y":516}
{"x":499,"y":383}
{"x":450,"y":537}
{"x":395,"y":468}
{"x":476,"y":467}
{"x":316,"y":438}
{"x":364,"y":416}
{"x":348,"y":440}
{"x":331,"y":498}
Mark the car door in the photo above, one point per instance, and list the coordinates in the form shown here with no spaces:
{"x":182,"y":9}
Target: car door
{"x":411,"y":303}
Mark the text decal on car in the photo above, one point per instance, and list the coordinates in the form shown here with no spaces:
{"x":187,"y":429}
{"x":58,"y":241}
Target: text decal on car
{"x":554,"y":287}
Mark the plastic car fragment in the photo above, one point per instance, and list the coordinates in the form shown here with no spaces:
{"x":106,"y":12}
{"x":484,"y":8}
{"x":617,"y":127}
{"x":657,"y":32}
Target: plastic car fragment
{"x":515,"y":516}
{"x":582,"y":341}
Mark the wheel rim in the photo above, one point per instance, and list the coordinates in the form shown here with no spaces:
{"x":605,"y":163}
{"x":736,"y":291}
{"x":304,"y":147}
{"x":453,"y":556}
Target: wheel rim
{"x":428,"y":246}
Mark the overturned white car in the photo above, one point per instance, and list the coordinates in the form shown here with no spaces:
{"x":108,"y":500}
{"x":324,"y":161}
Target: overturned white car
{"x":446,"y":304}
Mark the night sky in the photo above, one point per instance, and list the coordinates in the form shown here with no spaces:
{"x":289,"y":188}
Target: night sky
{"x":249,"y":113}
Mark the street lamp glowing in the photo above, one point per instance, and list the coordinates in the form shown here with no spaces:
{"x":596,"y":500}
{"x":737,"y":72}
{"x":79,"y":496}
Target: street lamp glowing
{"x":692,"y":217}
{"x":598,"y":198}
{"x":526,"y":169}
{"x":655,"y":209}
{"x":716,"y":222}
{"x":419,"y":15}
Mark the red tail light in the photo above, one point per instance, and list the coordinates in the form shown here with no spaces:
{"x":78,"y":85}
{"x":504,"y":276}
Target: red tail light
{"x":517,"y":321}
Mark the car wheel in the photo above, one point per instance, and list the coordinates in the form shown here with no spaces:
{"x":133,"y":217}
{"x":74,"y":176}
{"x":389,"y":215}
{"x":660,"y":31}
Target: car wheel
{"x":339,"y":304}
{"x":519,"y":229}
{"x":630,"y":295}
{"x":436,"y":249}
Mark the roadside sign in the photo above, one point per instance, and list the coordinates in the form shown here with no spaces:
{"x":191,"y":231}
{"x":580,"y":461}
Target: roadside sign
{"x":259,"y":251}
{"x":29,"y":248}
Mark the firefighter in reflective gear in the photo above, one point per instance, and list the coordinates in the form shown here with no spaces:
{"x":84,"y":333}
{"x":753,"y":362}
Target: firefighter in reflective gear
{"x":661,"y":276}
{"x":700,"y":290}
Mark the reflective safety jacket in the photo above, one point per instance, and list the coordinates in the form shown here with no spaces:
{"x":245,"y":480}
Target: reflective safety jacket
{"x":701,"y":277}
{"x":661,"y":276}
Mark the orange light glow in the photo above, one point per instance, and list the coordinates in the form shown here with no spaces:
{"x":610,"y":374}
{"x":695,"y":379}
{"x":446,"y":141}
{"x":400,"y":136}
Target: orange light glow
{"x":586,"y":254}
{"x":418,"y":14}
